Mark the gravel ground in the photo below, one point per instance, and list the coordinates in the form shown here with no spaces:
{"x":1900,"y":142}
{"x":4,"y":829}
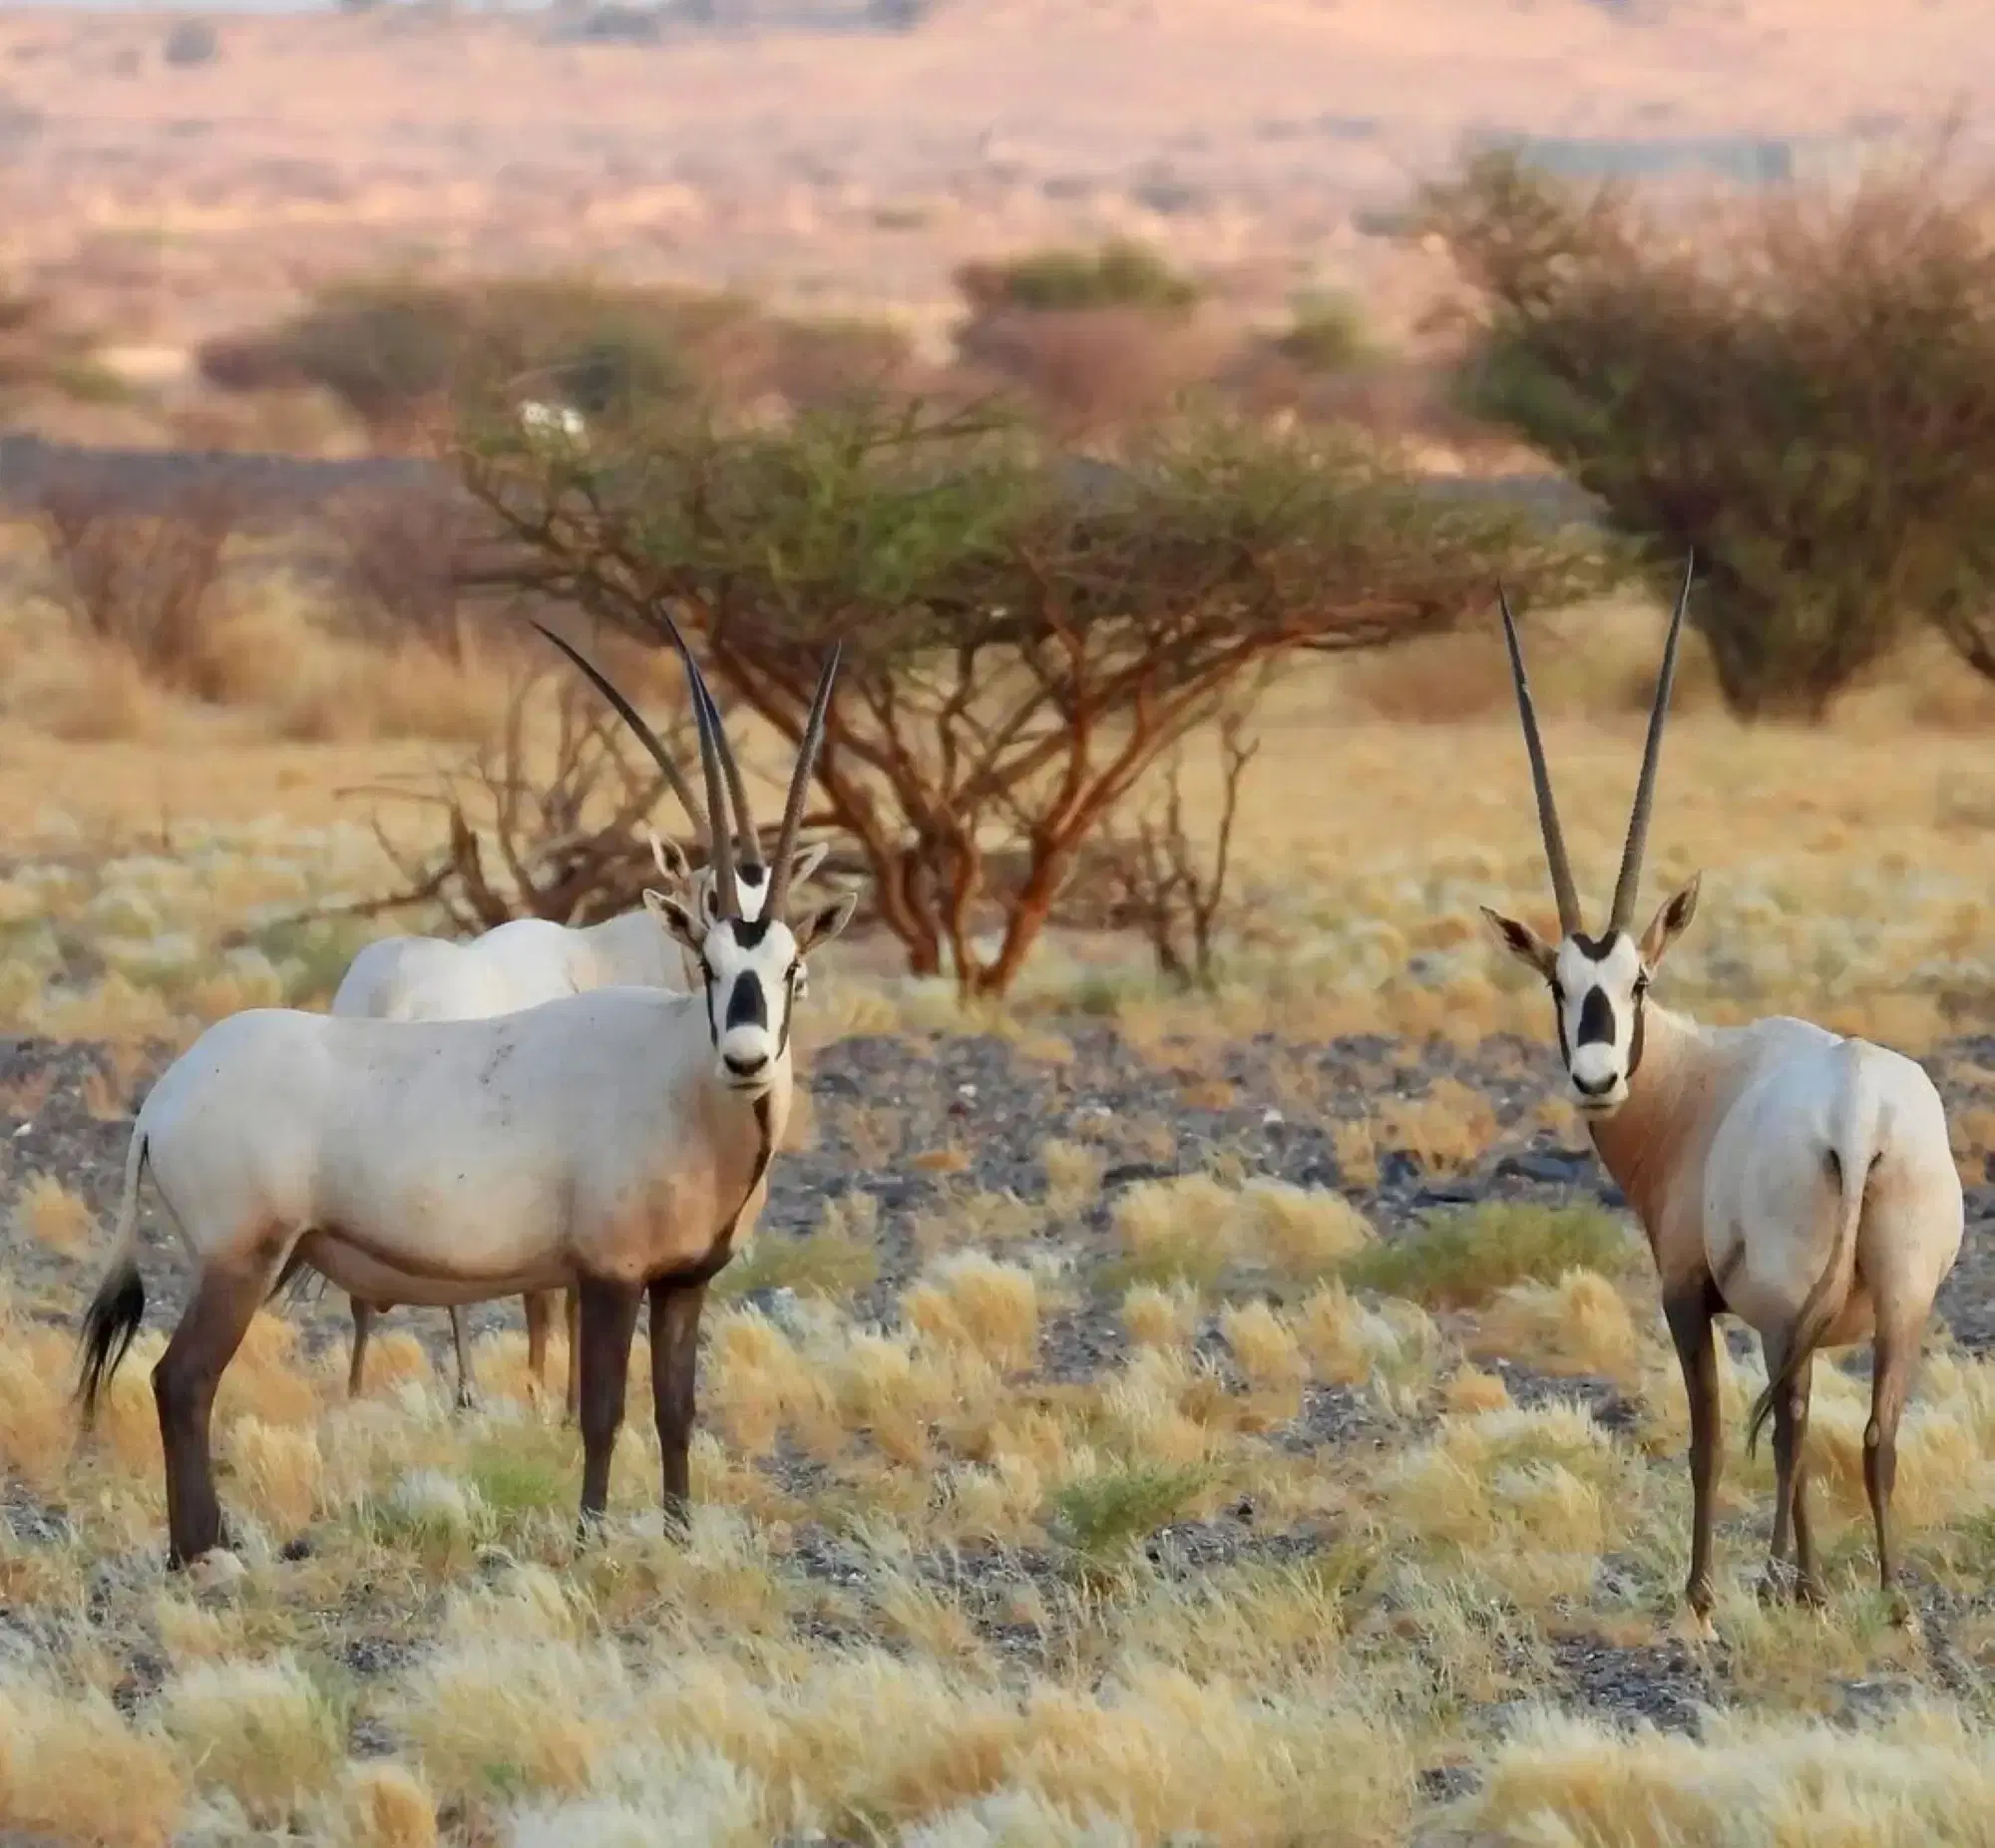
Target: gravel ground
{"x":883,"y":1103}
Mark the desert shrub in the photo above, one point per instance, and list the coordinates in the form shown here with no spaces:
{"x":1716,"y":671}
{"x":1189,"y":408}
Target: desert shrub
{"x":1804,"y":393}
{"x":395,"y":350}
{"x":397,"y":559}
{"x":1120,"y":273}
{"x":140,"y":580}
{"x":566,"y":817}
{"x":1090,"y":369}
{"x":1328,"y":334}
{"x":1164,"y":885}
{"x":1026,"y":632}
{"x":191,"y":42}
{"x":40,"y":347}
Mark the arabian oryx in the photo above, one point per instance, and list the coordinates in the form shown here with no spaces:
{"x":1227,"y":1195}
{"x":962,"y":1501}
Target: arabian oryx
{"x":1799,"y":1181}
{"x":520,"y":964}
{"x":614,"y":1142}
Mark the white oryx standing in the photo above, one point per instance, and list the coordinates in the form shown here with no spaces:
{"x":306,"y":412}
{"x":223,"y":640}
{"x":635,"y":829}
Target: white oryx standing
{"x":520,"y":964}
{"x":613,"y":1142}
{"x":1798,"y":1180}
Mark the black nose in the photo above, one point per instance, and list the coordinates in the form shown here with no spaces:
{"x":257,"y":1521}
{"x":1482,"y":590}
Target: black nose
{"x":1601,"y":1089}
{"x":744,"y":1068}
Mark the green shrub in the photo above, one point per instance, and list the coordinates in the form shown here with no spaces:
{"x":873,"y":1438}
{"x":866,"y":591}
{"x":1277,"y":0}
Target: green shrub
{"x":1804,"y":393}
{"x":1460,"y":1259}
{"x":1120,"y":273}
{"x":1328,"y":334}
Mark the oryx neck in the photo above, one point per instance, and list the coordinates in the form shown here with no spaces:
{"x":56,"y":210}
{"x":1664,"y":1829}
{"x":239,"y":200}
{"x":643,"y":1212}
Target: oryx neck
{"x":1642,"y":1143}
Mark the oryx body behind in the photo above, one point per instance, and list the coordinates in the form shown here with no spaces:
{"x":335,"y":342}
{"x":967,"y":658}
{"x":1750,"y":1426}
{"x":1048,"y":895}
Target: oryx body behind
{"x":1794,"y":1178}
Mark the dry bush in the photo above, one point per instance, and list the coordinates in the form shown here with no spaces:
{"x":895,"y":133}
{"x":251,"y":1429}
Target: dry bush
{"x":1804,"y":391}
{"x":397,"y":352}
{"x":568,"y":827}
{"x":1092,"y":369}
{"x":397,"y":558}
{"x":1166,"y":889}
{"x":1024,"y":632}
{"x":140,"y":581}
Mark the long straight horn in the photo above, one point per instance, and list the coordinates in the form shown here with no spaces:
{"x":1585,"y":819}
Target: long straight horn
{"x":719,"y":837}
{"x":1645,"y":789}
{"x":1541,"y":779}
{"x":645,"y":736}
{"x":744,"y":821}
{"x":800,"y":779}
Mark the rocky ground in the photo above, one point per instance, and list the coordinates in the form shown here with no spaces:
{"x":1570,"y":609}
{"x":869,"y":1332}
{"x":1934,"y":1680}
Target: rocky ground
{"x":918,"y":1123}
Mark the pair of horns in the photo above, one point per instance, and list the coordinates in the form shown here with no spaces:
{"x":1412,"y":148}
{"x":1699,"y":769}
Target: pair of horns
{"x":1637,"y":843}
{"x":726,"y":817}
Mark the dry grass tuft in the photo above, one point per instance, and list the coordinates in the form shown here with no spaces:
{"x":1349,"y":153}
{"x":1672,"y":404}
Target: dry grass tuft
{"x":970,"y":1301}
{"x":262,"y":1731}
{"x":384,"y":1806}
{"x":74,"y":1770}
{"x":48,"y":1213}
{"x":1579,"y":1324}
{"x":1073,"y":1177}
{"x":1924,"y":1773}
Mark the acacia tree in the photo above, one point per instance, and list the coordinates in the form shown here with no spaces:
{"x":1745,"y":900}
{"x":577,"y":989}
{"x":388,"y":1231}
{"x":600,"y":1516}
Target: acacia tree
{"x":1026,"y":632}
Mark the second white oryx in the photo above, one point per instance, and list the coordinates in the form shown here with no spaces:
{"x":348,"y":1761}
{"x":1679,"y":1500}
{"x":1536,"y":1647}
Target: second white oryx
{"x":520,"y":964}
{"x":614,"y":1142}
{"x":1796,"y":1179}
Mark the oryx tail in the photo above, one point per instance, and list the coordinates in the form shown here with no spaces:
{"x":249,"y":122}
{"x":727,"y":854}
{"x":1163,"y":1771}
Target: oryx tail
{"x":120,"y":1303}
{"x":1856,"y":1146}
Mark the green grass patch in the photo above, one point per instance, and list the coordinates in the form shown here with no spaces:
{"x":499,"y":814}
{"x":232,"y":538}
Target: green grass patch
{"x":1460,"y":1259}
{"x":514,"y":1482}
{"x":1100,"y":1518}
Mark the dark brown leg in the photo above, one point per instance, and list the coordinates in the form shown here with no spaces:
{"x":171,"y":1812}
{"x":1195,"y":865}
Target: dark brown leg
{"x":572,"y":1310}
{"x":1890,"y":1381}
{"x":363,"y":1324}
{"x":1689,"y":1312}
{"x":467,"y":1387}
{"x":183,"y":1384}
{"x":1807,"y":1585}
{"x":1790,"y":1425}
{"x":539,"y":1307}
{"x":608,"y":1316}
{"x":674,"y":1372}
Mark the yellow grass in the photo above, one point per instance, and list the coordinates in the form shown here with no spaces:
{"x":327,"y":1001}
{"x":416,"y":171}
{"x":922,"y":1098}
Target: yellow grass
{"x":734,"y":1690}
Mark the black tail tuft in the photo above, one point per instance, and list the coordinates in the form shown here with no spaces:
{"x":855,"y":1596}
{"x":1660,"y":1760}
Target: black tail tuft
{"x":108,"y":1327}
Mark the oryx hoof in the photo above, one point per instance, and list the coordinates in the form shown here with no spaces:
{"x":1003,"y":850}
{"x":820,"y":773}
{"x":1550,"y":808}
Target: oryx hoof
{"x":1905,"y":1616}
{"x":1693,"y":1623}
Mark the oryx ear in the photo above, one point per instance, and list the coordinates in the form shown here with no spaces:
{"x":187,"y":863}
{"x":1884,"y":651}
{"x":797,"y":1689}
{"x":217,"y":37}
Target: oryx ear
{"x":806,"y":861}
{"x":683,"y":926}
{"x":1671,"y":921}
{"x":1523,"y":943}
{"x":824,"y":923}
{"x":710,"y":899}
{"x":670,"y":857}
